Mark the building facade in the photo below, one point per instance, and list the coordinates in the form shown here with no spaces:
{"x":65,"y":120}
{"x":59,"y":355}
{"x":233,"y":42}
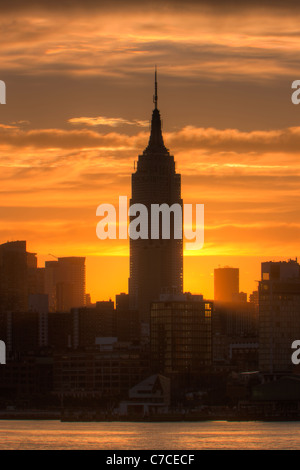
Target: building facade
{"x":65,"y":283}
{"x":279,"y":314}
{"x":181,"y":336}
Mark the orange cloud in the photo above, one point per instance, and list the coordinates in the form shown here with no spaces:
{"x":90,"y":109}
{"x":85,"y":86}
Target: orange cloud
{"x":123,"y":41}
{"x":104,"y":121}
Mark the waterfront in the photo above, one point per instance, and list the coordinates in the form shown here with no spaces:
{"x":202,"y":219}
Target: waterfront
{"x":50,"y":435}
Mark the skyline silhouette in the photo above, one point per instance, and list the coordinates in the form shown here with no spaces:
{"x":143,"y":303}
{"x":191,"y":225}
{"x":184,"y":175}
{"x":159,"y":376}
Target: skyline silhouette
{"x":121,"y":327}
{"x":77,"y":116}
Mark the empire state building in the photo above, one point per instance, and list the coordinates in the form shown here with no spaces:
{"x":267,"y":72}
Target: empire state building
{"x":156,"y":265}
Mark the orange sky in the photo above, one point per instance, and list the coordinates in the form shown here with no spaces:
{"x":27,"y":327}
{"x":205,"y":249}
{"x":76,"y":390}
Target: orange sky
{"x":79,"y":100}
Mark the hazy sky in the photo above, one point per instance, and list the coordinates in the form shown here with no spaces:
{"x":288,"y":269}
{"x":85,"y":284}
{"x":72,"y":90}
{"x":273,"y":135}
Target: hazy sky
{"x":79,"y":79}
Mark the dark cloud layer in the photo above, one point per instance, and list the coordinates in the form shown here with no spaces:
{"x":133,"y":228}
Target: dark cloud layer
{"x":220,"y":5}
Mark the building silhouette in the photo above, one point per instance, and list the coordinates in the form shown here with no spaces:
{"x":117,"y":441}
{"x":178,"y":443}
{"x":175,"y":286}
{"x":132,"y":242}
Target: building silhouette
{"x":279,"y":319}
{"x":235,"y":335}
{"x":65,"y":283}
{"x":181,"y":335}
{"x":19,"y":276}
{"x":226,"y":284}
{"x":13,"y":276}
{"x":156,"y":265}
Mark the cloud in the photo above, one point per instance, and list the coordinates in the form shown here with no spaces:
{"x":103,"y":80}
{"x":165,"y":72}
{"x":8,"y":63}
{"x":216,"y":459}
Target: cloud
{"x":233,"y":140}
{"x":65,"y":139}
{"x":225,"y":144}
{"x":219,"y":5}
{"x":124,"y":42}
{"x":7,"y":126}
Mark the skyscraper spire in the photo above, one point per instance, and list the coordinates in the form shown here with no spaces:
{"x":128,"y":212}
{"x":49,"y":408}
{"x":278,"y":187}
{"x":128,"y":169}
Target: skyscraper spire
{"x":156,"y":143}
{"x":155,"y":95}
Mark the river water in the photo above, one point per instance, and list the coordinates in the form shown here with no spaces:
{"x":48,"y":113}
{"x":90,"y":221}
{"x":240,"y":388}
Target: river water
{"x":149,"y":436}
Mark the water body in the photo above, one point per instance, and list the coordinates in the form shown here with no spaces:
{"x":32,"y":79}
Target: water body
{"x":52,"y":435}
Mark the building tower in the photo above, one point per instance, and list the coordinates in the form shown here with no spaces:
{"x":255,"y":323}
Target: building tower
{"x":156,"y":265}
{"x":279,"y":319}
{"x":65,"y":283}
{"x":226,"y":284}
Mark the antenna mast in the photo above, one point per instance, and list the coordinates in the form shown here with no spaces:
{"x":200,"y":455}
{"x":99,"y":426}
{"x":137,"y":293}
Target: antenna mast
{"x":155,"y":89}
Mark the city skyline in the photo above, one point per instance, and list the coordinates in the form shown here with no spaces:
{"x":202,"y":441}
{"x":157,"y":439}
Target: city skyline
{"x":149,"y":223}
{"x":225,"y":94}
